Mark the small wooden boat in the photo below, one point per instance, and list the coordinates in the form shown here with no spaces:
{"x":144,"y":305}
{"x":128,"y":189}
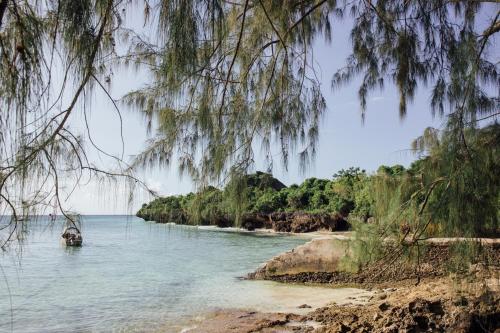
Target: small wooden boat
{"x":71,"y":237}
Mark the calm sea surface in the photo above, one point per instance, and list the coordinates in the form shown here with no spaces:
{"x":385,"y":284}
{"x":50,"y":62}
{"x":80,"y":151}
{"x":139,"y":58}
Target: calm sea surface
{"x":130,"y":276}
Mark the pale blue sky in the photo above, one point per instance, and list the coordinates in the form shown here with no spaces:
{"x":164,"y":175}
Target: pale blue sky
{"x":344,"y":140}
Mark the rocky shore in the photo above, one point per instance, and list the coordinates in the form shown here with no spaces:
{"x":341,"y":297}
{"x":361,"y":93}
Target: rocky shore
{"x":434,"y":305}
{"x":296,"y":222}
{"x":435,"y":301}
{"x":323,"y":260}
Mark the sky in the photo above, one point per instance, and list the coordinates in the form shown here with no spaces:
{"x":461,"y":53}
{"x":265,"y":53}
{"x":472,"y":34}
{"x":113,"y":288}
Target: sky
{"x":344,"y":140}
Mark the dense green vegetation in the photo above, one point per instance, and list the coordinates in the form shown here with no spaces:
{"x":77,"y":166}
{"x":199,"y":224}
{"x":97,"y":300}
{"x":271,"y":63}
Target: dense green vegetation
{"x":264,"y":194}
{"x":439,"y":194}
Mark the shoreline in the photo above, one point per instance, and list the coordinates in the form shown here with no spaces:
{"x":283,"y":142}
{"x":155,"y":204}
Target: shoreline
{"x":435,"y":304}
{"x":340,"y":235}
{"x":285,"y":300}
{"x":326,"y":234}
{"x":396,"y":303}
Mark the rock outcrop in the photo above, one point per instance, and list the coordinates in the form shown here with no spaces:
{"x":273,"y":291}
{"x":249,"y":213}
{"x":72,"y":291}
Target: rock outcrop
{"x":431,"y":306}
{"x":319,"y":261}
{"x":320,"y":255}
{"x":297,"y":222}
{"x":413,"y":315}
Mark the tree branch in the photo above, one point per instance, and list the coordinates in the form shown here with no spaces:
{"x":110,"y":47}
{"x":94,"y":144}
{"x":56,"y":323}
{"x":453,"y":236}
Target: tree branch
{"x":3,"y":8}
{"x":240,"y":37}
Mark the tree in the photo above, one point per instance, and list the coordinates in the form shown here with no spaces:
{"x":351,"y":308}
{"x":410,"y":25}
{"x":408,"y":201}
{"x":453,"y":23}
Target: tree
{"x":445,"y":193}
{"x":229,"y":73}
{"x":345,"y":186}
{"x":226,"y":76}
{"x":250,"y":75}
{"x":52,"y":54}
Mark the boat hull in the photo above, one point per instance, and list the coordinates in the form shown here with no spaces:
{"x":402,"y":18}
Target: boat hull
{"x":71,"y":242}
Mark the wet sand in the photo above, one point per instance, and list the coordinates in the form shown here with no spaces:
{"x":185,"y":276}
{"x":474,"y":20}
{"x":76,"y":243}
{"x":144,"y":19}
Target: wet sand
{"x":434,"y":305}
{"x":277,"y":303}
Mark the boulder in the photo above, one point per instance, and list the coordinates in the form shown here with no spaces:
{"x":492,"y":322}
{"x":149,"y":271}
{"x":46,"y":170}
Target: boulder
{"x":318,"y":255}
{"x":255,"y":221}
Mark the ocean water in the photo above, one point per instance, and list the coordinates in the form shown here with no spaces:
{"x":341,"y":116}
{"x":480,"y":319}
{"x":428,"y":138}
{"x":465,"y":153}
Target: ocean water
{"x":129,"y":276}
{"x":137,"y":276}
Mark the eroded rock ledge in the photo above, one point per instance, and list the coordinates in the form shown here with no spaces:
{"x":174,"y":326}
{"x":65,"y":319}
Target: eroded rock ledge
{"x":295,"y":222}
{"x":432,"y":306}
{"x":414,"y":314}
{"x":322,"y":261}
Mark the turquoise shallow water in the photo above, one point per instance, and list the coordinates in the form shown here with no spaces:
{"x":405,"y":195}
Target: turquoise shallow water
{"x":130,"y":276}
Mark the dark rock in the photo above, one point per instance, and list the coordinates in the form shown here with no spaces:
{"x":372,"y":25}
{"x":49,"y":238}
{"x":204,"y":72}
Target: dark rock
{"x":304,"y":306}
{"x":248,"y":314}
{"x":415,"y":315}
{"x":341,"y":328}
{"x":298,"y":222}
{"x":223,"y":222}
{"x":419,"y":306}
{"x":422,"y":322}
{"x":384,"y":306}
{"x":302,"y":222}
{"x":255,"y":221}
{"x":282,"y":226}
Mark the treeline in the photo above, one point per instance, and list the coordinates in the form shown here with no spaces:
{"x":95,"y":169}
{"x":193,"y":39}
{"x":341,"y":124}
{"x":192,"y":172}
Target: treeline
{"x":350,"y":192}
{"x":346,"y":193}
{"x":449,"y":191}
